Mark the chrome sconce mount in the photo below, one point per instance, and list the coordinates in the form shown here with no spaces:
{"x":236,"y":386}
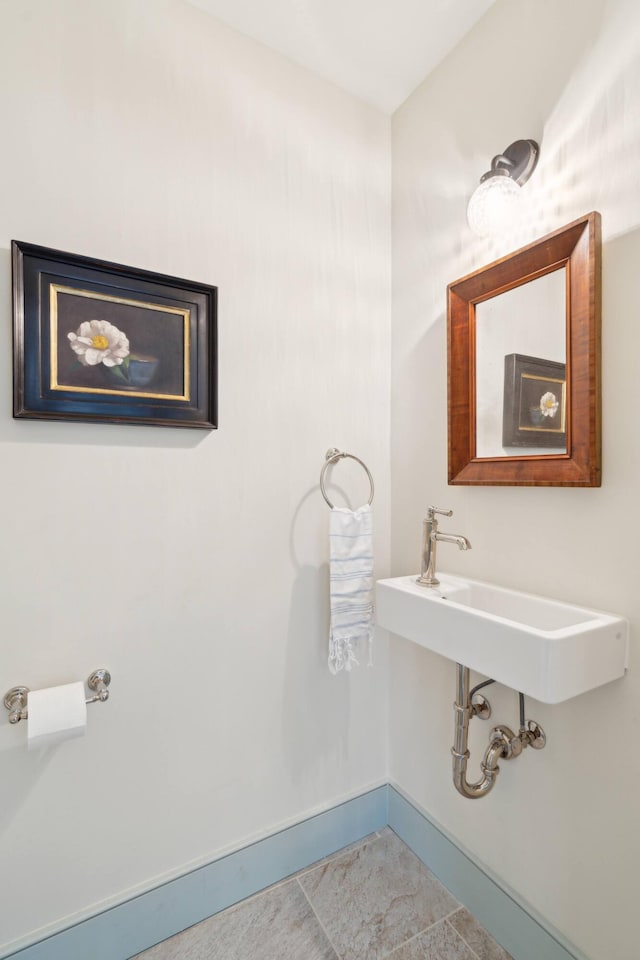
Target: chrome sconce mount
{"x":494,"y":203}
{"x":518,"y":162}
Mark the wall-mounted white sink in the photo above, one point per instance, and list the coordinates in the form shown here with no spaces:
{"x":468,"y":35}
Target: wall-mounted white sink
{"x":547,"y":649}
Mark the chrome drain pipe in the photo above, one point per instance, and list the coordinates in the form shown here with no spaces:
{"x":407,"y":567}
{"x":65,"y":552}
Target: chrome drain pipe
{"x":503,"y":742}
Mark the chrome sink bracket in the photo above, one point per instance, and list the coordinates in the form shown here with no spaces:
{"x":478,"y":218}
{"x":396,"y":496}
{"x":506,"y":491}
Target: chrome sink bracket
{"x":480,"y":707}
{"x":504,"y":744}
{"x":536,"y":737}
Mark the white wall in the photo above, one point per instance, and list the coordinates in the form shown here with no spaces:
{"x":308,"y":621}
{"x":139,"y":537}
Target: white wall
{"x":146,"y":133}
{"x":561,"y":826}
{"x":193,"y":565}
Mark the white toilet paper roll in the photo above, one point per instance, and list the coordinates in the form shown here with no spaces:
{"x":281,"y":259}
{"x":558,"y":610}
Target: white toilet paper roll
{"x":56,"y":714}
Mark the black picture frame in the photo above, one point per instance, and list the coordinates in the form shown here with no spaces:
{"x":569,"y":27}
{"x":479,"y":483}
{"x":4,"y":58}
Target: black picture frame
{"x":535,"y":402}
{"x":100,"y":342}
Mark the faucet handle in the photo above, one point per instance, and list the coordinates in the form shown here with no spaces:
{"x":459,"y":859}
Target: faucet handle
{"x":432,"y":510}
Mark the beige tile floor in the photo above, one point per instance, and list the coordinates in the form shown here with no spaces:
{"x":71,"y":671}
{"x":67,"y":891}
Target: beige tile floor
{"x":371,"y":901}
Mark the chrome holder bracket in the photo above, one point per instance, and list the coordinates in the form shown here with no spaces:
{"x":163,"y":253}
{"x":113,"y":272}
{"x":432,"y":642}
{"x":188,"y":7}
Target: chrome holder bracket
{"x":99,"y":681}
{"x":16,"y":700}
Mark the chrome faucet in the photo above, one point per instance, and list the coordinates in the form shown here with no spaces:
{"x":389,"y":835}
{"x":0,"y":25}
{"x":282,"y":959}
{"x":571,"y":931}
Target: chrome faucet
{"x":430,"y":538}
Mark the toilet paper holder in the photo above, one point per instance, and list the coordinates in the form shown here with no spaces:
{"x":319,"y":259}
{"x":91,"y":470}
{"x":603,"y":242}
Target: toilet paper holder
{"x":16,"y":699}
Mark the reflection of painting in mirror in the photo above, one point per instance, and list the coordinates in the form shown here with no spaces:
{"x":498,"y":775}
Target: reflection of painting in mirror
{"x":534,"y":413}
{"x":529,"y":320}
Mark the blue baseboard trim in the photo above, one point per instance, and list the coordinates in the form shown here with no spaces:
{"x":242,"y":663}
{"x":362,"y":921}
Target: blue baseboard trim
{"x":121,"y":932}
{"x":131,"y":927}
{"x":509,"y":922}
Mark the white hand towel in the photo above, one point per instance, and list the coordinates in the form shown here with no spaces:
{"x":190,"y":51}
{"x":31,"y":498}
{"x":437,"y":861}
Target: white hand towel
{"x":351,"y":585}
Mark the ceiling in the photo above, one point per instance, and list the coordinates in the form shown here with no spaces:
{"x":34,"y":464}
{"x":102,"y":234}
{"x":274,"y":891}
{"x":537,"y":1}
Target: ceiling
{"x":378,"y":50}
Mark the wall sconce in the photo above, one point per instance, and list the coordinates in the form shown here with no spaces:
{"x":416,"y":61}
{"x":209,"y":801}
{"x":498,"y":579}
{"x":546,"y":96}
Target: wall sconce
{"x":494,"y":204}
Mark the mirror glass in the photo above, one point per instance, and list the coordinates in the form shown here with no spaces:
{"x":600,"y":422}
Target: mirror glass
{"x":523,"y":344}
{"x":528,"y":322}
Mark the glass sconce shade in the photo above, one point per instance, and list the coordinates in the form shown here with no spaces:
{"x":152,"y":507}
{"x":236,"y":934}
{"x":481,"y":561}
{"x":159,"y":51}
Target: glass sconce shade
{"x":494,"y":205}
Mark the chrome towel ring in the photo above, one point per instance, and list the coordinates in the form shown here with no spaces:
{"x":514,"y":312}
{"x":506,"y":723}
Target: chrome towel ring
{"x":332,"y":456}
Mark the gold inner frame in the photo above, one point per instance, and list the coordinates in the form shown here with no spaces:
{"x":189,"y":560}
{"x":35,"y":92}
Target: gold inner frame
{"x":56,"y":289}
{"x":562,"y":421}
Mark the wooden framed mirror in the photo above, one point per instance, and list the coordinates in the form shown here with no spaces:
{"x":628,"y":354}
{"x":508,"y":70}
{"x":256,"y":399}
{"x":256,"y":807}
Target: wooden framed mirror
{"x":524,"y":365}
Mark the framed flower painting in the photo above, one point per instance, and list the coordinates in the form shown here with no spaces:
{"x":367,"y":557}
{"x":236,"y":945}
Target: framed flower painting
{"x":103,"y":343}
{"x":534,"y":412}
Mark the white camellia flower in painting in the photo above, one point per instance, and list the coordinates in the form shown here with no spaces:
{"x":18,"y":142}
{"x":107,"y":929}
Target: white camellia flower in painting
{"x":98,"y":341}
{"x":549,"y":404}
